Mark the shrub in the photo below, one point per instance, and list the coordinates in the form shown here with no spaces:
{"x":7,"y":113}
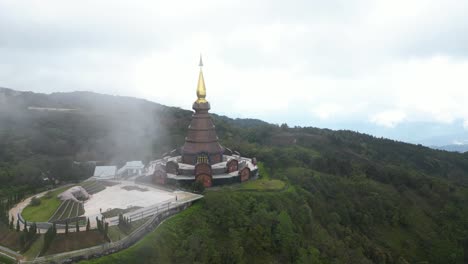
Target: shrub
{"x":48,"y":195}
{"x":35,"y":201}
{"x":198,"y":187}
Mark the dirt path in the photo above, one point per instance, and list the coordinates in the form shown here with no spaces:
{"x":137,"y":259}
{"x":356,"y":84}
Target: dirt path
{"x":19,"y":207}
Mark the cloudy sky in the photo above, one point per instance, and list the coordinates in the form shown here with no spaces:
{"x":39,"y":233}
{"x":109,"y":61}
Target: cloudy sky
{"x":393,"y":68}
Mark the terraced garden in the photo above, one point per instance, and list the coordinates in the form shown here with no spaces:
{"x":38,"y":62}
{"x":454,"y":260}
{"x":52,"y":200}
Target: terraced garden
{"x":52,"y":209}
{"x":68,"y":209}
{"x":93,"y":187}
{"x":49,"y":204}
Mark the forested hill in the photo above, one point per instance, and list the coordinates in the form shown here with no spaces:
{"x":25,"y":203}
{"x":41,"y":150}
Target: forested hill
{"x":352,"y":198}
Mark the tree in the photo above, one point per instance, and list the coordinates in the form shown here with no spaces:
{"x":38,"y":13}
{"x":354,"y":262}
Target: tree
{"x":22,"y":240}
{"x":311,"y":256}
{"x":12,"y":225}
{"x":106,"y":228}
{"x":98,"y":223}
{"x":31,"y":233}
{"x":284,"y":236}
{"x":48,"y":238}
{"x":198,"y":187}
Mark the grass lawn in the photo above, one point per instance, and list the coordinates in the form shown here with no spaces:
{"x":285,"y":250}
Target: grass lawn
{"x":42,"y":212}
{"x":74,"y":241}
{"x":35,"y":248}
{"x":263,"y":185}
{"x":117,"y":233}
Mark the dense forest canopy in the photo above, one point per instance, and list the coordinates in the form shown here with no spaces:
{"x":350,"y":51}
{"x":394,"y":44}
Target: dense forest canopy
{"x":351,"y":197}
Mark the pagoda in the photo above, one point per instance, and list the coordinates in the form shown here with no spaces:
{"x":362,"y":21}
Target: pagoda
{"x":202,"y":143}
{"x":201,"y":158}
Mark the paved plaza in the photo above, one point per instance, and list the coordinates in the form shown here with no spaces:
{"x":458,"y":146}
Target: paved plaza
{"x":120,"y":196}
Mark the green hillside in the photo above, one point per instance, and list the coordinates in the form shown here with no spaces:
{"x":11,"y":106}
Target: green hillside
{"x":349,"y":197}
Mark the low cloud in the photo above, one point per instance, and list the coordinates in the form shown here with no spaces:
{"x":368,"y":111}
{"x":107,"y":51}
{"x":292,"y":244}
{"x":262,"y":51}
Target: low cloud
{"x":326,"y":111}
{"x":465,"y":124}
{"x":389,"y":118}
{"x":336,"y":60}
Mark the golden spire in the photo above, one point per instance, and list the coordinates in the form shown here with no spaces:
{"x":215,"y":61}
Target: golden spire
{"x":201,"y":89}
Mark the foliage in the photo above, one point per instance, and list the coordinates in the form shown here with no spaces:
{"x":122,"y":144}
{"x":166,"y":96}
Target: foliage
{"x":6,"y":202}
{"x":103,"y":227}
{"x":12,"y":223}
{"x":28,"y":236}
{"x":35,"y":201}
{"x":198,"y":187}
{"x":262,"y":171}
{"x":124,"y":222}
{"x":48,"y":238}
{"x":263,"y":185}
{"x":6,"y":260}
{"x":352,"y":198}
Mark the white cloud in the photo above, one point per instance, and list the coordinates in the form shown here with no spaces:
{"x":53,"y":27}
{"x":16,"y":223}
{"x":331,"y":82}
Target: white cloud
{"x":389,"y":118}
{"x":465,"y":124}
{"x":325,"y":111}
{"x":460,"y":142}
{"x":350,"y":60}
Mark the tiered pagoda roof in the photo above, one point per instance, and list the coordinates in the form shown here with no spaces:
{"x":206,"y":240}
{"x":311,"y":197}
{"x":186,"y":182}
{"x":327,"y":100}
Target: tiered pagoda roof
{"x":201,"y":143}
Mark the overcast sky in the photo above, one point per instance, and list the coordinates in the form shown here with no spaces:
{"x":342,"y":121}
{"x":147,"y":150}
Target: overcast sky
{"x":321,"y":63}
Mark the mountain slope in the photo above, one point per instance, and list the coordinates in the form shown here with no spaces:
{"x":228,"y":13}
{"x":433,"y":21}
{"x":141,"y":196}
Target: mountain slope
{"x":352,"y":198}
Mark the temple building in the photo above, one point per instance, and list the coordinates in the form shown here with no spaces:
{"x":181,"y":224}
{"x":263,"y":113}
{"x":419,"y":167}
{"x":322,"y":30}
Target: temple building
{"x":201,"y":144}
{"x":202,"y":158}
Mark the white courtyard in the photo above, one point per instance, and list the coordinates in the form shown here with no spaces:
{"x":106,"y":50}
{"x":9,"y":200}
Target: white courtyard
{"x":117,"y":197}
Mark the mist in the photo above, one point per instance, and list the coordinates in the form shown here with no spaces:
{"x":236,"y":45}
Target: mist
{"x":45,"y":134}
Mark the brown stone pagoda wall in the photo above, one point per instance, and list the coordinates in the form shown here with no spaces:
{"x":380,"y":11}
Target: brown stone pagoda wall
{"x":201,"y":137}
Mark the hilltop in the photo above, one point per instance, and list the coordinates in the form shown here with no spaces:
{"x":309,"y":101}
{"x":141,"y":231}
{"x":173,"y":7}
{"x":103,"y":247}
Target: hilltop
{"x":350,"y":197}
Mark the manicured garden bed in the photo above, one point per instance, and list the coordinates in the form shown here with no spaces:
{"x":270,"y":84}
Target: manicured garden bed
{"x":47,"y":207}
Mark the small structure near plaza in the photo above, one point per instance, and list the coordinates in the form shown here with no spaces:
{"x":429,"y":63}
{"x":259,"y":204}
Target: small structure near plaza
{"x":105,"y":172}
{"x":131,"y":168}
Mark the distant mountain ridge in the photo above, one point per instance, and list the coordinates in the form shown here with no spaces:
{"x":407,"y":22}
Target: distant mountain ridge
{"x":454,"y":148}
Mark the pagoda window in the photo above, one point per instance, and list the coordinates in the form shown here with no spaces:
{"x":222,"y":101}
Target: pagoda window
{"x":203,"y":158}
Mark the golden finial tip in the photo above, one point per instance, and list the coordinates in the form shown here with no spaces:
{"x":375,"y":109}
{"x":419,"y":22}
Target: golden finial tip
{"x":201,"y":89}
